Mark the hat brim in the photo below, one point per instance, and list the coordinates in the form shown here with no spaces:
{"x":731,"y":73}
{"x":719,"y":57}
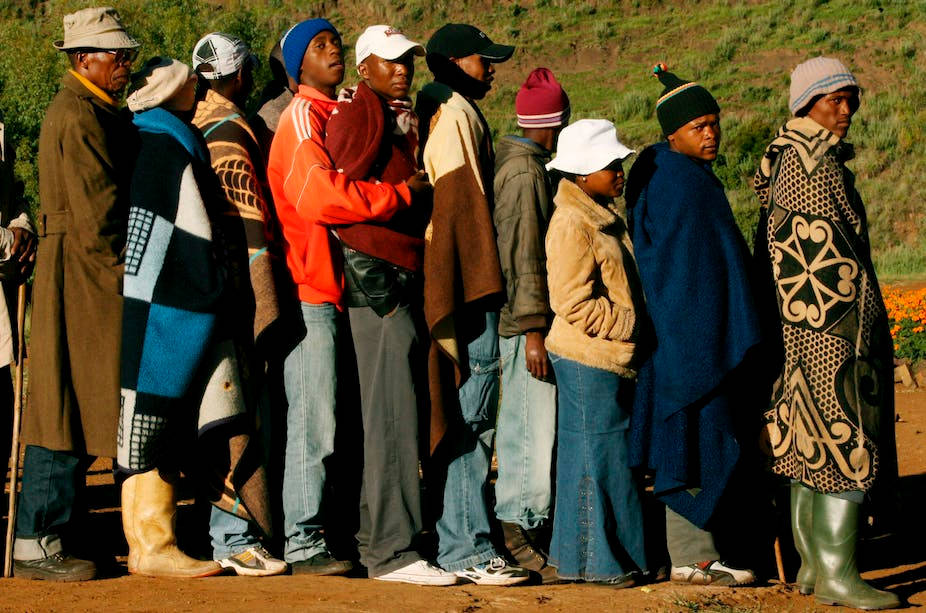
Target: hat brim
{"x":497,"y":53}
{"x":588,"y":162}
{"x":397,"y":51}
{"x":108,"y":40}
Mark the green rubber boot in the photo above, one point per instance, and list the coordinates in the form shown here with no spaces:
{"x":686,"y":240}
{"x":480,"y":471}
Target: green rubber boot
{"x":835,"y":537}
{"x":802,"y":529}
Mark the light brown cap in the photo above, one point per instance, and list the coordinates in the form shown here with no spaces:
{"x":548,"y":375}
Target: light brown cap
{"x":157,"y":82}
{"x":95,"y":28}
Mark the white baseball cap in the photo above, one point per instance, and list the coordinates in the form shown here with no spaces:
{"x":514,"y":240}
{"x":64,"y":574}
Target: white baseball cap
{"x":225,"y":53}
{"x":588,"y":146}
{"x":386,"y":42}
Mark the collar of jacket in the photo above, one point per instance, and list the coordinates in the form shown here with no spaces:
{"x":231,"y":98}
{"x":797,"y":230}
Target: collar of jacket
{"x":316,"y":96}
{"x":437,"y":93}
{"x":532,"y":147}
{"x":161,"y":121}
{"x":570,"y":196}
{"x":87,"y":85}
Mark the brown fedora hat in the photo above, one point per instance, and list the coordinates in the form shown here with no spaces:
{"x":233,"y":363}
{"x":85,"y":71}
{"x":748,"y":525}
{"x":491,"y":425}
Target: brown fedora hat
{"x":95,"y":28}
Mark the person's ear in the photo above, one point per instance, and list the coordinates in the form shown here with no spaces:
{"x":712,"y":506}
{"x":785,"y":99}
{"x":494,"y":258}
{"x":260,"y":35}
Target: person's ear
{"x":363,"y":71}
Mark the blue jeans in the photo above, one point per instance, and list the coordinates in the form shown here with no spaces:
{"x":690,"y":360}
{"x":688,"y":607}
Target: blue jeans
{"x":52,"y":483}
{"x":463,"y":529}
{"x":598,"y":524}
{"x":310,"y":380}
{"x":524,"y":441}
{"x":230,"y":534}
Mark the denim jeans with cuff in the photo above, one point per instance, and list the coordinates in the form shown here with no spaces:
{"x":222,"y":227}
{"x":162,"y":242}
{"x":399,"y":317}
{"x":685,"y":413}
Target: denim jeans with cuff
{"x":463,"y":529}
{"x":52,"y":482}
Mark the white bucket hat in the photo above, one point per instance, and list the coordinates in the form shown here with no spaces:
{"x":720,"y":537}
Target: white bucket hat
{"x":95,"y":28}
{"x":225,"y":53}
{"x":386,"y":42}
{"x":588,"y":146}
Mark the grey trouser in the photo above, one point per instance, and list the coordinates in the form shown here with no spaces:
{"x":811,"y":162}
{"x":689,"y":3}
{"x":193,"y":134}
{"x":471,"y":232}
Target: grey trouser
{"x":390,"y":361}
{"x":687,"y":543}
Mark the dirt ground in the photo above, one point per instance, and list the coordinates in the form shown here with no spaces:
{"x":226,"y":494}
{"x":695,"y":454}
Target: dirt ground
{"x":895,"y":560}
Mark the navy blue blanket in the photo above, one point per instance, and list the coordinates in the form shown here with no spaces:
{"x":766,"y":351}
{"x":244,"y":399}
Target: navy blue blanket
{"x":694,"y":268}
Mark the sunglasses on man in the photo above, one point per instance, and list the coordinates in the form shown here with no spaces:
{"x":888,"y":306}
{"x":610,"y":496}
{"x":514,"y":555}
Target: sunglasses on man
{"x":120,"y":56}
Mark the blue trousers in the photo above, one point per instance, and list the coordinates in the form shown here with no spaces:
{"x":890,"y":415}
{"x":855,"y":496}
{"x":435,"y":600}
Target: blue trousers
{"x":524,"y":441}
{"x":463,"y":529}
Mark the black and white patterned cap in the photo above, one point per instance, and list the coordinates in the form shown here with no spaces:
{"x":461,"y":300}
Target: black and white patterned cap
{"x":221,"y":55}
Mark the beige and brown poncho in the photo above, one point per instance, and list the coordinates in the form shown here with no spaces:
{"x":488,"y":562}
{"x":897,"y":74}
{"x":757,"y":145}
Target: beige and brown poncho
{"x":830,"y":424}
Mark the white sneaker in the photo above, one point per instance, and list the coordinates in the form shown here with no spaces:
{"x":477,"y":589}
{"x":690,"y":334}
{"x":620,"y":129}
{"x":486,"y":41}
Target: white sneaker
{"x":713,"y":572}
{"x":494,"y":572}
{"x":254,"y":562}
{"x":420,"y":572}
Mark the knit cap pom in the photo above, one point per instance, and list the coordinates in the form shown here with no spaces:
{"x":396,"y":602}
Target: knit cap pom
{"x":681,"y":101}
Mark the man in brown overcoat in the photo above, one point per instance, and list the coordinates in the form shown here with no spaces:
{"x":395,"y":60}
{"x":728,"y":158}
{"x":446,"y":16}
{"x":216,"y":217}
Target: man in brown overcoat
{"x":86,"y":153}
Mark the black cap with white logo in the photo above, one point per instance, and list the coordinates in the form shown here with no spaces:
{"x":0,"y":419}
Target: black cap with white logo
{"x":459,"y":40}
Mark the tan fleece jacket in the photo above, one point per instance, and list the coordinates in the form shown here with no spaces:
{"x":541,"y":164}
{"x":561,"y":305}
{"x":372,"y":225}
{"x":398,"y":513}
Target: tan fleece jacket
{"x":594,"y":291}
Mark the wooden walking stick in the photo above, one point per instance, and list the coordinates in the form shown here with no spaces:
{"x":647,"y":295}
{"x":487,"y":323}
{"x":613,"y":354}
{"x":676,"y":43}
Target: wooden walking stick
{"x":778,"y":561}
{"x":17,"y":414}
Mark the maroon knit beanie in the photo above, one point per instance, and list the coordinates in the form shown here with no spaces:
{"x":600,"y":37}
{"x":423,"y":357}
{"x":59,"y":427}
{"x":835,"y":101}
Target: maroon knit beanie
{"x":541,"y":102}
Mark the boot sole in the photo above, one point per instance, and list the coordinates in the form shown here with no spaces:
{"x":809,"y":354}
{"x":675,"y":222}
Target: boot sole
{"x":843,"y":603}
{"x":209,"y":573}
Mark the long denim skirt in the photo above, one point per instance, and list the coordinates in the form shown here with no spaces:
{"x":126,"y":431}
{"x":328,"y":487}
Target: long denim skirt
{"x":598,"y":521}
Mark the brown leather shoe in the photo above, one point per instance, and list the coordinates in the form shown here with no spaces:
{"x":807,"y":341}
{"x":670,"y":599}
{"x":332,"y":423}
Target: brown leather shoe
{"x":526,"y":554}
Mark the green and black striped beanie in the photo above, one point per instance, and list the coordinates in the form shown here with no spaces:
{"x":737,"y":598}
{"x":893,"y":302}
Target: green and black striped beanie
{"x":681,"y":101}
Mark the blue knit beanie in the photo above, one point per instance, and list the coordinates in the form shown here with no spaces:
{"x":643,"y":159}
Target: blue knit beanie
{"x":296,"y":41}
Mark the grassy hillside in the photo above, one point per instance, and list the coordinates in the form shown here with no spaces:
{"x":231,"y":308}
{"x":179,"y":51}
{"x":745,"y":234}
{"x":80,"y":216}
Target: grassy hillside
{"x":602,"y":51}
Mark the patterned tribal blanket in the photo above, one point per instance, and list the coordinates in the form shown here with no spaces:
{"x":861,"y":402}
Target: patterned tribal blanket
{"x":181,"y":374}
{"x":247,"y":223}
{"x":830,"y":425}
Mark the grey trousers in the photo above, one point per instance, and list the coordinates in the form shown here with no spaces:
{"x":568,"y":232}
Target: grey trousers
{"x":390,"y":361}
{"x":688,"y":543}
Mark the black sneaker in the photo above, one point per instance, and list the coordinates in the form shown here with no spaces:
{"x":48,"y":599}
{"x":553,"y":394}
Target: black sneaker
{"x":56,"y":567}
{"x":494,"y":572}
{"x":322,"y":564}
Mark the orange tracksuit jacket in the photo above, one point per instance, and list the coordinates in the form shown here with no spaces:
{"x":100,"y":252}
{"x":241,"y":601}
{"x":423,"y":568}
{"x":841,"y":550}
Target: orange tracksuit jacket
{"x":309,"y":194}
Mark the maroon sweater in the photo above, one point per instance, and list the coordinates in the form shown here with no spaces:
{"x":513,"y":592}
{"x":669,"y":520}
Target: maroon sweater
{"x":373,"y":140}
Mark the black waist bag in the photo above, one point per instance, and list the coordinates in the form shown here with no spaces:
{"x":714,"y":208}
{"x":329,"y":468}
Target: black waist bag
{"x":376,"y":283}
